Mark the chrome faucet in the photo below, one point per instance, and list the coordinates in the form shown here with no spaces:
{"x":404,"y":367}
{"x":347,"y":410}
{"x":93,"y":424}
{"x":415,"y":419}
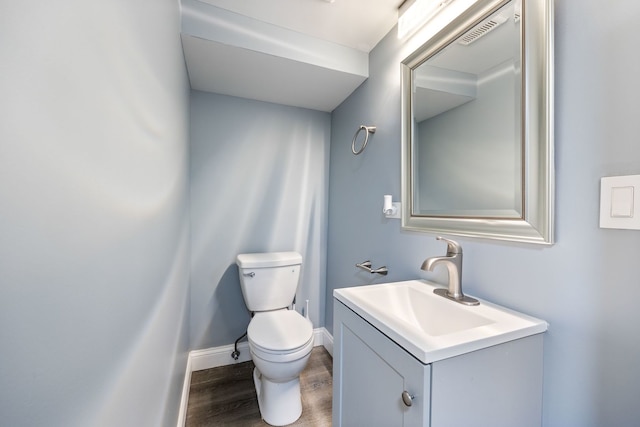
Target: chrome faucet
{"x":453,"y":261}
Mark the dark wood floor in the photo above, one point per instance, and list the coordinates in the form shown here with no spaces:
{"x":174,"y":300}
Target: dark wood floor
{"x":226,"y":396}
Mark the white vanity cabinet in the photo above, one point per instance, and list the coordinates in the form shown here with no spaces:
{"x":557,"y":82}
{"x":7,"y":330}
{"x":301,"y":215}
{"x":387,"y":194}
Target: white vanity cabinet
{"x":370,"y":373}
{"x":497,"y":386}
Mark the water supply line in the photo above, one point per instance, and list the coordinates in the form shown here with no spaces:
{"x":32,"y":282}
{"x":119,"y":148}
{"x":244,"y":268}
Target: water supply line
{"x":236,"y":352}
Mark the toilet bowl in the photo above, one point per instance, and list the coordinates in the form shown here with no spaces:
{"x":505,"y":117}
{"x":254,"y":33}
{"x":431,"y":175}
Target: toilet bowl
{"x":280,"y":339}
{"x":279,"y":359}
{"x":280,"y":343}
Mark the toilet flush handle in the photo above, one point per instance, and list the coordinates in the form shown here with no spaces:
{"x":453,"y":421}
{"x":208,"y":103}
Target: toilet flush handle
{"x":250,"y":274}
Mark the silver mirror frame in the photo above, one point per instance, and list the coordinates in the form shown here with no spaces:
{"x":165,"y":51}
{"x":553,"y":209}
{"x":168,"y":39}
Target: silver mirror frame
{"x":537,"y":224}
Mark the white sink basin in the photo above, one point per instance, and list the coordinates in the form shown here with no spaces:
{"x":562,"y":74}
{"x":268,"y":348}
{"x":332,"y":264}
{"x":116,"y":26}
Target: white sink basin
{"x":431,"y":327}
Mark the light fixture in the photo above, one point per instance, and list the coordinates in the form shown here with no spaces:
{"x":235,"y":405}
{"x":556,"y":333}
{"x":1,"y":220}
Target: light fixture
{"x":413,"y":14}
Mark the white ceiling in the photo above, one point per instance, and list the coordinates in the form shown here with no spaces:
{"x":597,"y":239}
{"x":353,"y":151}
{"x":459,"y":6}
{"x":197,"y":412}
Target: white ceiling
{"x":359,"y":24}
{"x":305,"y":53}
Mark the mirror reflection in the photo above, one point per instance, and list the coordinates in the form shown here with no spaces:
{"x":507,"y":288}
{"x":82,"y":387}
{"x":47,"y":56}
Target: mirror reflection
{"x":467,"y":139}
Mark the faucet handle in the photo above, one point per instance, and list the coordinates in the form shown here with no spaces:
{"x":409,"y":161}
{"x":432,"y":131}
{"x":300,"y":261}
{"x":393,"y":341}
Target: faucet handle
{"x":452,"y":246}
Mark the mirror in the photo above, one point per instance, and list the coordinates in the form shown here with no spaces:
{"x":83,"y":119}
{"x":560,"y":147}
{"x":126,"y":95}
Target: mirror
{"x":477,"y":125}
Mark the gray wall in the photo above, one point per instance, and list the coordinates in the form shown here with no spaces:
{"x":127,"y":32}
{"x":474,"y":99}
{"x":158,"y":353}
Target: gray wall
{"x":586,"y":286}
{"x":93,"y":213}
{"x":259,"y":182}
{"x":94,"y":223}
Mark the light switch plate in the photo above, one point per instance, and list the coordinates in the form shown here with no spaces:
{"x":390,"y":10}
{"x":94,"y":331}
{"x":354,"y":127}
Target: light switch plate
{"x":620,"y":202}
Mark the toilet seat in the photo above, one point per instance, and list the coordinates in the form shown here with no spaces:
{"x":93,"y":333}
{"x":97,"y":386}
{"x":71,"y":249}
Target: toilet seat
{"x":280,"y":333}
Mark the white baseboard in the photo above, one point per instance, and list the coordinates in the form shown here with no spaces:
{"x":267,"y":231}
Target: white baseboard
{"x":327,"y":341}
{"x":182,"y":414}
{"x":218,"y":356}
{"x":221,"y":356}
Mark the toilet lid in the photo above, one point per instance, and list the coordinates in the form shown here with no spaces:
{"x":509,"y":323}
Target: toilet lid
{"x":279,"y":330}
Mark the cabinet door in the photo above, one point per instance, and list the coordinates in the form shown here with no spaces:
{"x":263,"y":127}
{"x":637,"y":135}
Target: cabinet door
{"x":499,"y":386}
{"x":370,"y":373}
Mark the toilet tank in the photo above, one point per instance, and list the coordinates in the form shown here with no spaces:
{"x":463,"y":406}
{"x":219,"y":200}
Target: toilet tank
{"x":269,"y":280}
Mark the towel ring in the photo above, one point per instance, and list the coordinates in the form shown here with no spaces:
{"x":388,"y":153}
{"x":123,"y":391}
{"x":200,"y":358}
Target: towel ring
{"x":368,"y":130}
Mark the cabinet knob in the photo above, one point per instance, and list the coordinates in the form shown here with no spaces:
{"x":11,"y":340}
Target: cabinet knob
{"x":407,"y":398}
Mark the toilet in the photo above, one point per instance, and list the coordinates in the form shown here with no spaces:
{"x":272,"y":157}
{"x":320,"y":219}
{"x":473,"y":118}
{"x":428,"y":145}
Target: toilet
{"x":280,"y":339}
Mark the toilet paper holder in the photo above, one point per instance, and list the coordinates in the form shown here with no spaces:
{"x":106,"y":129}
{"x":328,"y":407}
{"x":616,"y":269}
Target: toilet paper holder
{"x":366,"y":265}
